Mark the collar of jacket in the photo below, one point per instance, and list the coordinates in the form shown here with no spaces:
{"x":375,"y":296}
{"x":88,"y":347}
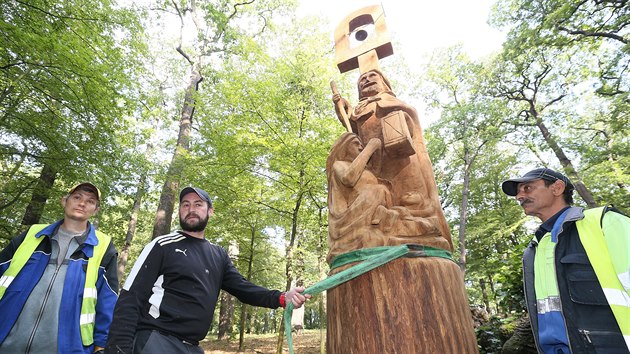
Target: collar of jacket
{"x":573,"y":214}
{"x":91,"y":240}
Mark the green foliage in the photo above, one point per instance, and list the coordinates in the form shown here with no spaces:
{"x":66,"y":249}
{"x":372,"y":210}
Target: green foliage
{"x":66,"y":83}
{"x":492,"y":334}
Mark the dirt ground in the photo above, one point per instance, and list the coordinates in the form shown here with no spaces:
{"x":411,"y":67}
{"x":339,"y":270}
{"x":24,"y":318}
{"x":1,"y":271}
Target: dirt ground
{"x":306,"y":343}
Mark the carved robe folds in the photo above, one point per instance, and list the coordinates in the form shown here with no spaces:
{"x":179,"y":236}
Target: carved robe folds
{"x":405,"y":176}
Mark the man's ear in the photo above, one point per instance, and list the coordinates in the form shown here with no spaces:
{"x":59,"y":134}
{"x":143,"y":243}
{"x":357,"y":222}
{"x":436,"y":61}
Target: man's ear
{"x":63,"y":201}
{"x":210,"y":211}
{"x":558,"y":187}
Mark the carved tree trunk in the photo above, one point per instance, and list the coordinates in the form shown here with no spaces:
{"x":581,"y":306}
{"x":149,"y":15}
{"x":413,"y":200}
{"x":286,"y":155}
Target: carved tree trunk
{"x":410,"y":305}
{"x":41,"y":192}
{"x":321,"y":303}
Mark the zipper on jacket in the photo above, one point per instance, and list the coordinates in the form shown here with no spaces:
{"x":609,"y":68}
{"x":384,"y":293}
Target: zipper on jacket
{"x":42,"y":308}
{"x":586,"y":333}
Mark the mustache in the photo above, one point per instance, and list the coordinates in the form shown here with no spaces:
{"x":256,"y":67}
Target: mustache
{"x":524,"y":201}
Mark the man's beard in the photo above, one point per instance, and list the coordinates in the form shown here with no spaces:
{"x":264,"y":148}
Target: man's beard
{"x":196,"y":226}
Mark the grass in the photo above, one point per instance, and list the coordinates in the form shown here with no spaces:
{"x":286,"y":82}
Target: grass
{"x":306,"y":343}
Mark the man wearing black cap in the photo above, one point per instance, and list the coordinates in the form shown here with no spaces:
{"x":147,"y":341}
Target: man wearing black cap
{"x":576,"y":270}
{"x":168,"y":300}
{"x":59,"y":283}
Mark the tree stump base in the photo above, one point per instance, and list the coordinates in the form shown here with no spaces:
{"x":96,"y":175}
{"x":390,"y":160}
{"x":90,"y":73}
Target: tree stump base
{"x":409,"y":305}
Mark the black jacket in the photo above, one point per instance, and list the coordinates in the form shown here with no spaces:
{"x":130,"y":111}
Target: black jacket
{"x":174,"y":287}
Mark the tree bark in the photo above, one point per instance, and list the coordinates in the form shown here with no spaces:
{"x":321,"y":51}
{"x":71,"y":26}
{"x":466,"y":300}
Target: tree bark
{"x":226,"y":313}
{"x":484,"y":294}
{"x":463,"y":210}
{"x":170,"y":188}
{"x":409,"y":305}
{"x":289,"y":259}
{"x":131,"y":227}
{"x":41,"y":193}
{"x":250,"y":265}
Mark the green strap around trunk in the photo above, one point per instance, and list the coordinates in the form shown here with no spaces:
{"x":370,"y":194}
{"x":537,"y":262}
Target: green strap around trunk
{"x":371,"y":258}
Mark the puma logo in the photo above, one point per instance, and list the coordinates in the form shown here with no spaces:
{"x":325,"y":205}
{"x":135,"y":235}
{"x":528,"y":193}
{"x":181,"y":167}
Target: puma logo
{"x":184,"y":251}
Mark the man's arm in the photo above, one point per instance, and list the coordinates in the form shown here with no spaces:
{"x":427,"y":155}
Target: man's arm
{"x":252,"y":294}
{"x":246,"y":291}
{"x":133,"y":296}
{"x":7,"y":253}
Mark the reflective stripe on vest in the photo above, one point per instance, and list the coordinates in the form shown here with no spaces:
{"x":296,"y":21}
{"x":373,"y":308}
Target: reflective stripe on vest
{"x":552,"y":330}
{"x":592,"y":237}
{"x":88,"y":305}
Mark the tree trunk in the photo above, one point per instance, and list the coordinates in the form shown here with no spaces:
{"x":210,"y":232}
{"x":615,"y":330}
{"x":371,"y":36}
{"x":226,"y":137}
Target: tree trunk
{"x":131,"y":228}
{"x":250,"y":264}
{"x":289,"y":264}
{"x":409,"y":305}
{"x":571,"y":172}
{"x":226,"y":313}
{"x":463,"y":210}
{"x":484,"y":294}
{"x":41,"y":193}
{"x":494,"y":294}
{"x":170,"y":188}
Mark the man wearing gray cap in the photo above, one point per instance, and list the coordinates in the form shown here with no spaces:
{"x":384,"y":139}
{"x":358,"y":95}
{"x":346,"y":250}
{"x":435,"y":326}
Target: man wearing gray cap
{"x":576,"y":270}
{"x":168,"y":300}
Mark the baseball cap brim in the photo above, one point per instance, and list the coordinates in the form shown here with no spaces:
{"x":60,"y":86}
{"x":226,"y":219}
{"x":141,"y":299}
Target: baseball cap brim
{"x":510,"y":186}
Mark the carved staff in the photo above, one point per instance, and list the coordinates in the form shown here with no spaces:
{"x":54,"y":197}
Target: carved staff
{"x":342,"y":110}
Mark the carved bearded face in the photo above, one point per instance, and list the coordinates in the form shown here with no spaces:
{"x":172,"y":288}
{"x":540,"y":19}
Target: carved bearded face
{"x":370,"y":84}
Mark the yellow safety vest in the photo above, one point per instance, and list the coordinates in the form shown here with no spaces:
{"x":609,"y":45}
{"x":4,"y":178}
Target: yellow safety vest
{"x":88,"y":305}
{"x":599,"y":254}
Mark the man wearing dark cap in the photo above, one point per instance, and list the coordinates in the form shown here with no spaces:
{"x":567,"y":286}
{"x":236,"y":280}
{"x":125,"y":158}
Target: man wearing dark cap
{"x":168,"y":300}
{"x":59,"y":283}
{"x":576,"y":270}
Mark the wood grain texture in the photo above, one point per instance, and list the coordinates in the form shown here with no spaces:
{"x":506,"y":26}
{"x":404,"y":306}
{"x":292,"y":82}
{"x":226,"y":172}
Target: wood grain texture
{"x":410,"y":305}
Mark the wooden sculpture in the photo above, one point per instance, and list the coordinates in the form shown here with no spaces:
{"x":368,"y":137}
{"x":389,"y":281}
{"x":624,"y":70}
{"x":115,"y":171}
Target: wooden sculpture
{"x":382,"y":192}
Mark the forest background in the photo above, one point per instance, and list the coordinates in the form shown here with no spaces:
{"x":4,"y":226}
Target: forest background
{"x":237,"y":101}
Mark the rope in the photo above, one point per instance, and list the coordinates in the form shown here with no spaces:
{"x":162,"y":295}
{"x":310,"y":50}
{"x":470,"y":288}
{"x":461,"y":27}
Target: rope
{"x":370,"y":258}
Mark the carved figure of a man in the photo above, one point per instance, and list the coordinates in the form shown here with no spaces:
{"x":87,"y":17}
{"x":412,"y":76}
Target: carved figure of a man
{"x":402,"y":160}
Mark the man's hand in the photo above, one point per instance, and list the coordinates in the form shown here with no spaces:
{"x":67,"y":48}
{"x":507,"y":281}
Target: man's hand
{"x":294,"y":295}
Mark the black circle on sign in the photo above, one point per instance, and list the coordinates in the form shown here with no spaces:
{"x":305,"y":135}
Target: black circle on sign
{"x":361,"y":35}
